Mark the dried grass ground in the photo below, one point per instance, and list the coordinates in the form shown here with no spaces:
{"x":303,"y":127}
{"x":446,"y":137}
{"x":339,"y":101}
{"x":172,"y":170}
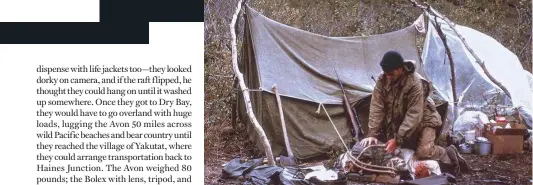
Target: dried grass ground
{"x":509,"y":169}
{"x":224,"y":144}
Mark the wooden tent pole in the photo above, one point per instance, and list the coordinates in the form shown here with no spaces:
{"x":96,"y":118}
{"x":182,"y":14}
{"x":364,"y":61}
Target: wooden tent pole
{"x":442,"y":36}
{"x":245,"y":92}
{"x":478,"y":60}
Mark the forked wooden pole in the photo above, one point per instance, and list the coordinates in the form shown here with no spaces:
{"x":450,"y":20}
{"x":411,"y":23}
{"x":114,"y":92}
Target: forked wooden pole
{"x":452,"y":65}
{"x":245,"y":92}
{"x":427,"y":9}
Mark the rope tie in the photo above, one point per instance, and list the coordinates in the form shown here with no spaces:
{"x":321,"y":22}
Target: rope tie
{"x":250,"y":90}
{"x":355,"y":160}
{"x":340,"y":137}
{"x":318,"y":110}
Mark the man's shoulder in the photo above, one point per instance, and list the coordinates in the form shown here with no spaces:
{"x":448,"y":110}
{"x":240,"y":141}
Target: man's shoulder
{"x":415,"y":76}
{"x":414,"y":79}
{"x":381,"y":79}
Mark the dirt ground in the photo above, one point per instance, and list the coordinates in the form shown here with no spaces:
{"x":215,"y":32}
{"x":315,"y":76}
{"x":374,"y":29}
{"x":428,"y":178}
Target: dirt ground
{"x":226,"y":143}
{"x":509,"y":169}
{"x":221,"y":144}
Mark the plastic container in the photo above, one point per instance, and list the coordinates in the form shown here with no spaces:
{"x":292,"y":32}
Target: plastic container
{"x":501,"y":119}
{"x":482,"y":147}
{"x":470,"y":136}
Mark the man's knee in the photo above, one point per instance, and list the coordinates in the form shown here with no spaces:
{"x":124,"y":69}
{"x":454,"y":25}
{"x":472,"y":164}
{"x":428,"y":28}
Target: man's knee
{"x":424,"y":152}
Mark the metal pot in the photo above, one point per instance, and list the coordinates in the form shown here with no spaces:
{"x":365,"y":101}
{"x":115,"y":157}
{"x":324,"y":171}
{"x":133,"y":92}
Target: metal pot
{"x":465,"y":148}
{"x":482,"y":147}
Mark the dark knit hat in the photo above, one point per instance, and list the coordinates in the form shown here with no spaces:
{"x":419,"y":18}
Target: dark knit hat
{"x":391,"y":60}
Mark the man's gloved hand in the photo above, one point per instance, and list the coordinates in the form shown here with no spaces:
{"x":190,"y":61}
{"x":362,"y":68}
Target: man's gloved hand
{"x":369,"y":141}
{"x":391,"y":145}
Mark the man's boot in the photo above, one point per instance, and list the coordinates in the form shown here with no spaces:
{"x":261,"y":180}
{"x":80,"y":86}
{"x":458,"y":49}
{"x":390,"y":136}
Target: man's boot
{"x":462,"y":161}
{"x":453,"y":158}
{"x":458,"y":162}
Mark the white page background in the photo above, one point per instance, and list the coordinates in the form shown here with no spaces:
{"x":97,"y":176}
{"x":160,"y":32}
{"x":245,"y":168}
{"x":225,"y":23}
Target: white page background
{"x":170,"y":43}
